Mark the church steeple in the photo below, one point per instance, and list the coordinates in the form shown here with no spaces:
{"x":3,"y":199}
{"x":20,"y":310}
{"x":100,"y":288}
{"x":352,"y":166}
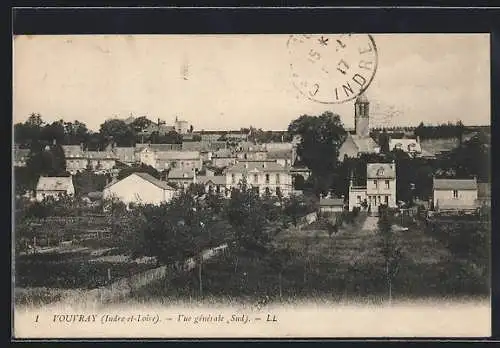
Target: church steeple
{"x":362,"y":116}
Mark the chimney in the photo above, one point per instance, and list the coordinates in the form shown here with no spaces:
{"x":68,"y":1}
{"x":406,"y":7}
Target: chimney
{"x":81,"y":146}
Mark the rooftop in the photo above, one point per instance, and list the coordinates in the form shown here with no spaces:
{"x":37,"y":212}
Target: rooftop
{"x":380,"y":170}
{"x":54,"y":183}
{"x":256,"y":166}
{"x":455,"y":184}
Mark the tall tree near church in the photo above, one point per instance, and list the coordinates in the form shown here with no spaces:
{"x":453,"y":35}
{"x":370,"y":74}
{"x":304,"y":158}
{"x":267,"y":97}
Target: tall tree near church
{"x":321,"y":138}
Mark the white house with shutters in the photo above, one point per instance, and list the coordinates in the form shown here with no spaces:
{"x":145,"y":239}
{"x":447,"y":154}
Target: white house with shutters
{"x":380,"y":188}
{"x":264,"y":176}
{"x":455,"y":194}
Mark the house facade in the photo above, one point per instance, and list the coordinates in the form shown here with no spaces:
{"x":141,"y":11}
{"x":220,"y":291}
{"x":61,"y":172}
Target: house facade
{"x":214,"y":183}
{"x":164,"y":160}
{"x":264,"y":176}
{"x":455,"y":194}
{"x":54,"y":187}
{"x":380,"y":188}
{"x":77,"y":159}
{"x":139,"y":188}
{"x":181,"y":178}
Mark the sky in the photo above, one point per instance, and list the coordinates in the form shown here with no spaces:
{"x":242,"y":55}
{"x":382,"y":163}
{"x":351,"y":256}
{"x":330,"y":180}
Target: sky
{"x":231,"y":81}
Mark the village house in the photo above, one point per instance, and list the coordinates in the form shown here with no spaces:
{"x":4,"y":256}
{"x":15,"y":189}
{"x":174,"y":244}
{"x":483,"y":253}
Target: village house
{"x":164,"y":160}
{"x":206,"y":148}
{"x":20,"y":156}
{"x":223,"y":158}
{"x":213,"y":183}
{"x":251,"y":152}
{"x":181,"y":178}
{"x":359,"y":142}
{"x":264,"y":176}
{"x":78,"y":159}
{"x":125,"y":155}
{"x":75,"y":157}
{"x":54,"y":187}
{"x":186,"y":160}
{"x":282,"y":157}
{"x":380,"y":188}
{"x":139,"y":188}
{"x":101,"y":161}
{"x":328,"y":205}
{"x":455,"y":194}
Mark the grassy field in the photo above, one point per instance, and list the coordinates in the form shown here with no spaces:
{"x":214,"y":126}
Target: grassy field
{"x":346,"y":266}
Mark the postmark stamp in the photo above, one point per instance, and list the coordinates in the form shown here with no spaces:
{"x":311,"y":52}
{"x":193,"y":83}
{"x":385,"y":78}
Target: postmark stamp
{"x":334,"y":68}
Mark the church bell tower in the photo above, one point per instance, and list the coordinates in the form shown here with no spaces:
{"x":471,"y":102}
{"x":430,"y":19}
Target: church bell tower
{"x":362,"y":116}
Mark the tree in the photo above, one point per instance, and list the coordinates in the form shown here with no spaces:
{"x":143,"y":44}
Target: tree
{"x":321,"y":137}
{"x":389,"y":248}
{"x":53,"y":132}
{"x":117,"y":130}
{"x":140,"y":124}
{"x":246,"y":215}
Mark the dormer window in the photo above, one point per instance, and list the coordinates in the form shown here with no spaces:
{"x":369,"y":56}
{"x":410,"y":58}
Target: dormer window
{"x":380,"y":172}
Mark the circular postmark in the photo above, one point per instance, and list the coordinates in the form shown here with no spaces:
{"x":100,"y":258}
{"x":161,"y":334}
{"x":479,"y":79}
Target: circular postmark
{"x":333,"y":68}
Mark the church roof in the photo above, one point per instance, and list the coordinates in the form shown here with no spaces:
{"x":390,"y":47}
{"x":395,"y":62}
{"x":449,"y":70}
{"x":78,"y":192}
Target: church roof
{"x":364,"y":144}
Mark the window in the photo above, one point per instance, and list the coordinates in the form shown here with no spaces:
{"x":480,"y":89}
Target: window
{"x":380,"y":172}
{"x":256,"y":178}
{"x":386,"y":199}
{"x":277,"y":178}
{"x":268,"y":191}
{"x":387,"y":184}
{"x":359,"y":199}
{"x":267,"y":178}
{"x":455,"y":193}
{"x":278,"y":192}
{"x":233,"y":178}
{"x":375,"y":183}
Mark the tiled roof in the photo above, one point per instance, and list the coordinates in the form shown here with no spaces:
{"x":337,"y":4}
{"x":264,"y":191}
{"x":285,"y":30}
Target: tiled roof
{"x":124,"y":153}
{"x":160,"y":147}
{"x":436,"y":146}
{"x":260,"y":166}
{"x":101,"y":155}
{"x":365,"y":145}
{"x":455,"y":184}
{"x":53,"y":183}
{"x":148,"y":177}
{"x":178,"y":173}
{"x":280,"y":154}
{"x":331,"y":202}
{"x":178,"y":155}
{"x":380,"y":170}
{"x":215,"y":179}
{"x":73,"y":151}
{"x":407,"y":145}
{"x":203,"y":145}
{"x":223,"y":153}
